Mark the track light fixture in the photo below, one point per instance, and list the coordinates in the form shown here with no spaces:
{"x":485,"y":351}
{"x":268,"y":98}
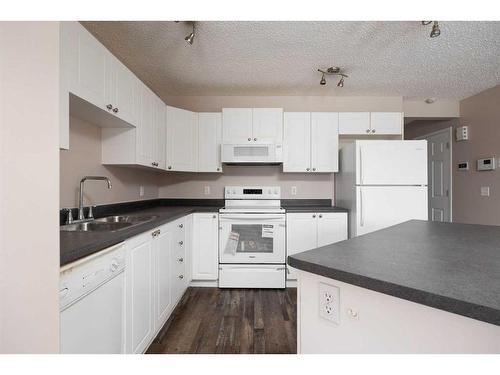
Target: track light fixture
{"x":334,"y":70}
{"x":436,"y":31}
{"x":190,"y":37}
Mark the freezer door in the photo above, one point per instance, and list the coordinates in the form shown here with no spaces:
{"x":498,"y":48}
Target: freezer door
{"x":391,"y":162}
{"x":382,"y":206}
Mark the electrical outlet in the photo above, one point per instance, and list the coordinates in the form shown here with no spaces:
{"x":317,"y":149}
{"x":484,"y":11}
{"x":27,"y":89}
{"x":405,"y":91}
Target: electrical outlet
{"x":141,"y":191}
{"x":206,"y":190}
{"x":329,"y":302}
{"x":294,"y":190}
{"x":485,"y":191}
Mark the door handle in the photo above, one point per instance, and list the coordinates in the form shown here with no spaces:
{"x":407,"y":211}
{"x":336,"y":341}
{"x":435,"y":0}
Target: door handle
{"x":361,"y":215}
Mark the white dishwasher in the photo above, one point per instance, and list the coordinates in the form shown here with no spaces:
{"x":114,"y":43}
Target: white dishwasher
{"x":91,"y":300}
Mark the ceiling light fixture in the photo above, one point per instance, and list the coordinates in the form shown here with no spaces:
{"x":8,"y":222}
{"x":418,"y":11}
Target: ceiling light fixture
{"x":436,"y":31}
{"x":190,"y":38}
{"x":334,"y":70}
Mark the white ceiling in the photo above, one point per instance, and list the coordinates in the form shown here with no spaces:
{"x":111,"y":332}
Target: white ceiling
{"x":281,"y":58}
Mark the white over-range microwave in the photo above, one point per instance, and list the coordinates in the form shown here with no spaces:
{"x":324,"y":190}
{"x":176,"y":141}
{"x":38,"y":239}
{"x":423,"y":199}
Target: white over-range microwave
{"x":260,"y":153}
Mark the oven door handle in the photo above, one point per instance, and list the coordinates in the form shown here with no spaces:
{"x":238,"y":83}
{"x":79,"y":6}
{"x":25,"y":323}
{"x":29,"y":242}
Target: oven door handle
{"x":258,"y":219}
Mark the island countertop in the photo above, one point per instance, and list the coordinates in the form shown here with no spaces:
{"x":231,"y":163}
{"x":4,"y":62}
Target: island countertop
{"x":448,"y":266}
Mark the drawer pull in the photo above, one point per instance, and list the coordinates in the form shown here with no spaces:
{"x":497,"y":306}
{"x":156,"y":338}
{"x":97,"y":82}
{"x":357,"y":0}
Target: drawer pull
{"x":181,"y":243}
{"x":181,"y":277}
{"x":181,"y":225}
{"x":181,"y":260}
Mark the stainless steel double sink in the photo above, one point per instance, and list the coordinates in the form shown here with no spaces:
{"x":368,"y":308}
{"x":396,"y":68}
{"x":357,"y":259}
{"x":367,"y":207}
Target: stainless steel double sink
{"x":109,"y":224}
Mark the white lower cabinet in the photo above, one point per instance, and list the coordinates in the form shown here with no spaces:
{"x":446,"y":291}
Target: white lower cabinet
{"x":306,"y":231}
{"x":155,"y":281}
{"x":205,"y":249}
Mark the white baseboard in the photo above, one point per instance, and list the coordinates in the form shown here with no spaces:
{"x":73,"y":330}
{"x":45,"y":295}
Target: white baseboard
{"x":205,"y":283}
{"x":291,"y":283}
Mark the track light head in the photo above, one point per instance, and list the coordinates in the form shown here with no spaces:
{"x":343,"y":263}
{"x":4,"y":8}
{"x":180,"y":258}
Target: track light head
{"x":435,"y":30}
{"x":189,"y":38}
{"x":341,"y":82}
{"x":323,"y":80}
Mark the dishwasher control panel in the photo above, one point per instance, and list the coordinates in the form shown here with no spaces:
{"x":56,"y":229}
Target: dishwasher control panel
{"x":81,"y":277}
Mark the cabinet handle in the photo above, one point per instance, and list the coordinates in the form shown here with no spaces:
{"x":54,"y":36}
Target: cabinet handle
{"x":181,"y":260}
{"x":181,"y":277}
{"x":373,"y":130}
{"x":218,"y":169}
{"x":181,"y":243}
{"x":255,"y":139}
{"x":308,"y":169}
{"x":314,"y":169}
{"x":249,"y":139}
{"x":181,"y":225}
{"x":169,"y":167}
{"x":214,"y":217}
{"x":314,"y":216}
{"x":115,"y":110}
{"x":320,"y":216}
{"x":367,"y":130}
{"x":109,"y":107}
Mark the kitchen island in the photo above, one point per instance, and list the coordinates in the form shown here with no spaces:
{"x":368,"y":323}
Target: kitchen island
{"x":416,"y":287}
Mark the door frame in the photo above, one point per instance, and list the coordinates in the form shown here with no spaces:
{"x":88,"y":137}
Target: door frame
{"x":449,"y":131}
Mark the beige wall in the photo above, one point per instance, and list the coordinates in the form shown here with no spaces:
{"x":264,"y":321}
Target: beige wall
{"x":191,"y":185}
{"x":29,"y":190}
{"x":439,"y":109}
{"x":481,"y":113}
{"x":289,"y":103}
{"x":84,"y":159}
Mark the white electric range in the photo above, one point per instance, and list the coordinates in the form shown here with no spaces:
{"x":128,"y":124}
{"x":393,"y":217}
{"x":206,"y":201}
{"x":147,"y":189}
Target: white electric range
{"x":252,"y":238}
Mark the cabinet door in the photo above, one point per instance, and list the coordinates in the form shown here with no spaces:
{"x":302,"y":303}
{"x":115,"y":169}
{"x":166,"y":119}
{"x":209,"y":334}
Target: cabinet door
{"x":301,"y":235}
{"x":139,"y":293}
{"x":205,"y":260}
{"x":324,"y":142}
{"x":88,"y":71}
{"x":159,"y":132}
{"x":332,"y":227}
{"x":209,"y":142}
{"x":297,"y":142}
{"x":145,"y":129}
{"x":237,"y":125}
{"x":267,"y":125}
{"x":121,"y":90}
{"x":181,"y":139}
{"x":162,"y":261}
{"x":386,"y":122}
{"x":354,"y":123}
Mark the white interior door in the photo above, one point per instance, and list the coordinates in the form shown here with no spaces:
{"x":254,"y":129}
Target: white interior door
{"x":391,"y":163}
{"x":439,"y":170}
{"x":297,"y":142}
{"x":382,"y":206}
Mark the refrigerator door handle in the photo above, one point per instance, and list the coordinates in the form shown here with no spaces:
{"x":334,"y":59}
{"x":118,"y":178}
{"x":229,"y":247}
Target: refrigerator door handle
{"x":361,"y":215}
{"x":360,"y":166}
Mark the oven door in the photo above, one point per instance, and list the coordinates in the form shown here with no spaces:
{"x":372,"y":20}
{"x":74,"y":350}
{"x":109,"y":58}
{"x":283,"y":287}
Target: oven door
{"x":252,"y":238}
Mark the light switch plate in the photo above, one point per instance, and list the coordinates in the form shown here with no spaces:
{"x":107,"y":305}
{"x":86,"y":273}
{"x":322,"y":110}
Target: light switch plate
{"x":485,"y":191}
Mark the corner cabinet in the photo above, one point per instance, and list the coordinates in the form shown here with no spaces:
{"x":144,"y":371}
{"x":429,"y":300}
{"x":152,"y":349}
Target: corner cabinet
{"x":310,"y":142}
{"x":243,"y":125}
{"x":306,"y":231}
{"x":209,"y":142}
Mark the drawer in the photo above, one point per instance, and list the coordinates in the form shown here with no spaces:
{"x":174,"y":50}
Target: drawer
{"x":252,"y":276}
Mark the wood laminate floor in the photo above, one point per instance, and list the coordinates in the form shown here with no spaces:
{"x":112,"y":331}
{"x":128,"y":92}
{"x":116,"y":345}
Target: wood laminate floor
{"x":213,"y":320}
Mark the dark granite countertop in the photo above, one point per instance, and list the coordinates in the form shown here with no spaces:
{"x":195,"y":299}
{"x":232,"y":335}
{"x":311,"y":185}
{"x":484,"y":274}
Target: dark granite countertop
{"x":310,"y":205}
{"x":452,"y":267}
{"x":77,"y":245}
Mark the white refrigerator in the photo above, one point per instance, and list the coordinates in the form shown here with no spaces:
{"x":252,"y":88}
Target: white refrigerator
{"x":382,"y":183}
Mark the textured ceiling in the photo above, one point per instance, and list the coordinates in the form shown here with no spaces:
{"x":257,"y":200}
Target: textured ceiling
{"x":281,"y":58}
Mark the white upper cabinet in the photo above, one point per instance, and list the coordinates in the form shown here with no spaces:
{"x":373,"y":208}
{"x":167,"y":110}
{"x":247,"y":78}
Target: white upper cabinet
{"x":370,"y":123}
{"x":121,"y":90}
{"x":386,"y":122}
{"x":159,"y":132}
{"x":182,"y":140}
{"x":311,"y":142}
{"x":243,"y":125}
{"x":267,"y":125}
{"x":146,"y":129}
{"x":354,"y":123}
{"x":324,"y":142}
{"x":297,"y":142}
{"x":237,"y":125}
{"x":209,"y":142}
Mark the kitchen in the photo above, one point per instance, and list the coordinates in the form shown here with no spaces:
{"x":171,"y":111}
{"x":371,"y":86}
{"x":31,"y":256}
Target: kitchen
{"x":203,"y":219}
